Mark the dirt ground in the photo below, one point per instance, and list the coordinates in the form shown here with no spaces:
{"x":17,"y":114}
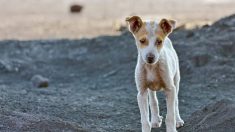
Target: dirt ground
{"x":90,"y":66}
{"x":217,"y":117}
{"x":91,"y":82}
{"x":50,"y":19}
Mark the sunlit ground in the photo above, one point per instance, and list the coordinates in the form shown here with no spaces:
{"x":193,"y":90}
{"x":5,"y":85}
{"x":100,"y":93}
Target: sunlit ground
{"x":51,"y":19}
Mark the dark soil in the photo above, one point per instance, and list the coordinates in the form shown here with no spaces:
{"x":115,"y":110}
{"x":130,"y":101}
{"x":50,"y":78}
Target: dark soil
{"x":217,"y":117}
{"x":91,"y":81}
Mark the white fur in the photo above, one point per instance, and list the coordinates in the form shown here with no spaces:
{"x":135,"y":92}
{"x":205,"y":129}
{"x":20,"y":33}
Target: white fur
{"x":151,"y":38}
{"x":168,"y":65}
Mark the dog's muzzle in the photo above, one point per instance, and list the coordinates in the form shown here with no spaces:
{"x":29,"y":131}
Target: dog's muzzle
{"x":150,"y":58}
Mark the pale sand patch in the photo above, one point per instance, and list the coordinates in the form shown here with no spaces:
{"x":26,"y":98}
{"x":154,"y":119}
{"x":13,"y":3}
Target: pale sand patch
{"x":50,"y":19}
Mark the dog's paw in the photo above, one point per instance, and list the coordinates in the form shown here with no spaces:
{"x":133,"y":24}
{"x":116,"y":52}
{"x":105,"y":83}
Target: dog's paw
{"x":171,"y":129}
{"x":179,"y":123}
{"x":146,"y":127}
{"x":157,"y":122}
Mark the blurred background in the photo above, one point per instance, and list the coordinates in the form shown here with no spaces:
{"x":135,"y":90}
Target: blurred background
{"x":68,"y":65}
{"x":43,"y":19}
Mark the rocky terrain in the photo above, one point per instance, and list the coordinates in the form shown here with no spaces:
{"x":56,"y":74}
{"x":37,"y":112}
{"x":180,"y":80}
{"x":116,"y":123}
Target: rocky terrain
{"x":91,"y":82}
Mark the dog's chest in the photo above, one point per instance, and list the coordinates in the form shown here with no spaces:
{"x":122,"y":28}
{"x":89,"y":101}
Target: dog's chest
{"x":153,"y":79}
{"x":151,"y":75}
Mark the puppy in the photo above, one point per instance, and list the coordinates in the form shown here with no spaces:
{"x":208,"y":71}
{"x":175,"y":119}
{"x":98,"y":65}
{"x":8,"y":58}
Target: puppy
{"x":157,"y":68}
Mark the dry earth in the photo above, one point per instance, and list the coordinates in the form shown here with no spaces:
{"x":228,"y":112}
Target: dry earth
{"x":50,"y":19}
{"x":92,"y":86}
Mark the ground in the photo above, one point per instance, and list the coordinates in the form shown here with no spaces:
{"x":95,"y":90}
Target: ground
{"x":51,"y":19}
{"x":92,"y":85}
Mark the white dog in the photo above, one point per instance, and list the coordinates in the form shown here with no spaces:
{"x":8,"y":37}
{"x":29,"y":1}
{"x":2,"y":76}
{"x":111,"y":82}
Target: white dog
{"x":157,"y":68}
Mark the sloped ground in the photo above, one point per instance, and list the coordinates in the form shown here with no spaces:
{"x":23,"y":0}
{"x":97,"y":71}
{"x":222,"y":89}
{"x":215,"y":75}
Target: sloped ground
{"x":218,"y":117}
{"x":17,"y":121}
{"x":92,"y":80}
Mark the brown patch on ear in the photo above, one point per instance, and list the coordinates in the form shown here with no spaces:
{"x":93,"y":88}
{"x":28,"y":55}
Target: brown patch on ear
{"x":135,"y":23}
{"x":167,"y":26}
{"x":173,"y":23}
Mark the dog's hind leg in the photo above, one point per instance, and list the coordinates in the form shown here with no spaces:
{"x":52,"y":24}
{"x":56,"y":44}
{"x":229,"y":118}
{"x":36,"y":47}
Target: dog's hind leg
{"x":156,"y":119}
{"x":179,"y":121}
{"x":170,"y":103}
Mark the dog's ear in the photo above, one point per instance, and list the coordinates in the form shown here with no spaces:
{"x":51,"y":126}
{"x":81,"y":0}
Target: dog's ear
{"x":167,"y":26}
{"x":134,"y":23}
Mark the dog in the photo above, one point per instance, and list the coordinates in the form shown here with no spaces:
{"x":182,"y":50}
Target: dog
{"x":157,"y":69}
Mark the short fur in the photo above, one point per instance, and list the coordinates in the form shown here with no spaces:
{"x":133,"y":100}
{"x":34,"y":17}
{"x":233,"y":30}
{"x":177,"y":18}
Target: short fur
{"x":157,"y":68}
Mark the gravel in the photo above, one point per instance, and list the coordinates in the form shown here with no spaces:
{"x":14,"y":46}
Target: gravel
{"x":92,"y":81}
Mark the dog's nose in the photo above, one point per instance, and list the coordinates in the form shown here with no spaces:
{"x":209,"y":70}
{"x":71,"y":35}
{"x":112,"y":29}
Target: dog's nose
{"x":150,"y":58}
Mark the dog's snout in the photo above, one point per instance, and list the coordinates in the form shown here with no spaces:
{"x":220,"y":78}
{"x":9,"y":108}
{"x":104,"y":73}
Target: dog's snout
{"x":150,"y":58}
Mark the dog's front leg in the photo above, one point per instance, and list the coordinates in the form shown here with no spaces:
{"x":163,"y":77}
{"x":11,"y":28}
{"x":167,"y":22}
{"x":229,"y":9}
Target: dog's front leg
{"x":142,"y":99}
{"x":170,"y":117}
{"x":156,"y":119}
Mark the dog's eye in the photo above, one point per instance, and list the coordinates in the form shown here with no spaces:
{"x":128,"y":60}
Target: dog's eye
{"x":143,"y":40}
{"x":158,"y":42}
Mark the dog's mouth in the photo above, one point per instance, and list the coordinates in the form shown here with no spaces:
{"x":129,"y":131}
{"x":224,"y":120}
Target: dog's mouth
{"x":150,"y":62}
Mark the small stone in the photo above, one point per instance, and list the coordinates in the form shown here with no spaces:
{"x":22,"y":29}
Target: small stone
{"x":206,"y":26}
{"x":40,"y":81}
{"x":76,"y":8}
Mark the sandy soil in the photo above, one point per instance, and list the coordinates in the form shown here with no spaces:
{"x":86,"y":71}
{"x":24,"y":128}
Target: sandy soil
{"x":92,"y":82}
{"x":50,"y":19}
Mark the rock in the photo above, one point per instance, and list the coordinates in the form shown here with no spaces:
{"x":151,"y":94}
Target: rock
{"x":216,"y":117}
{"x":75,"y":8}
{"x":40,"y":81}
{"x":206,"y":26}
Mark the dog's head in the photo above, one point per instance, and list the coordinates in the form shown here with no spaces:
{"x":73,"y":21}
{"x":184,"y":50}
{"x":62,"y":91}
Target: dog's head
{"x":149,"y":36}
